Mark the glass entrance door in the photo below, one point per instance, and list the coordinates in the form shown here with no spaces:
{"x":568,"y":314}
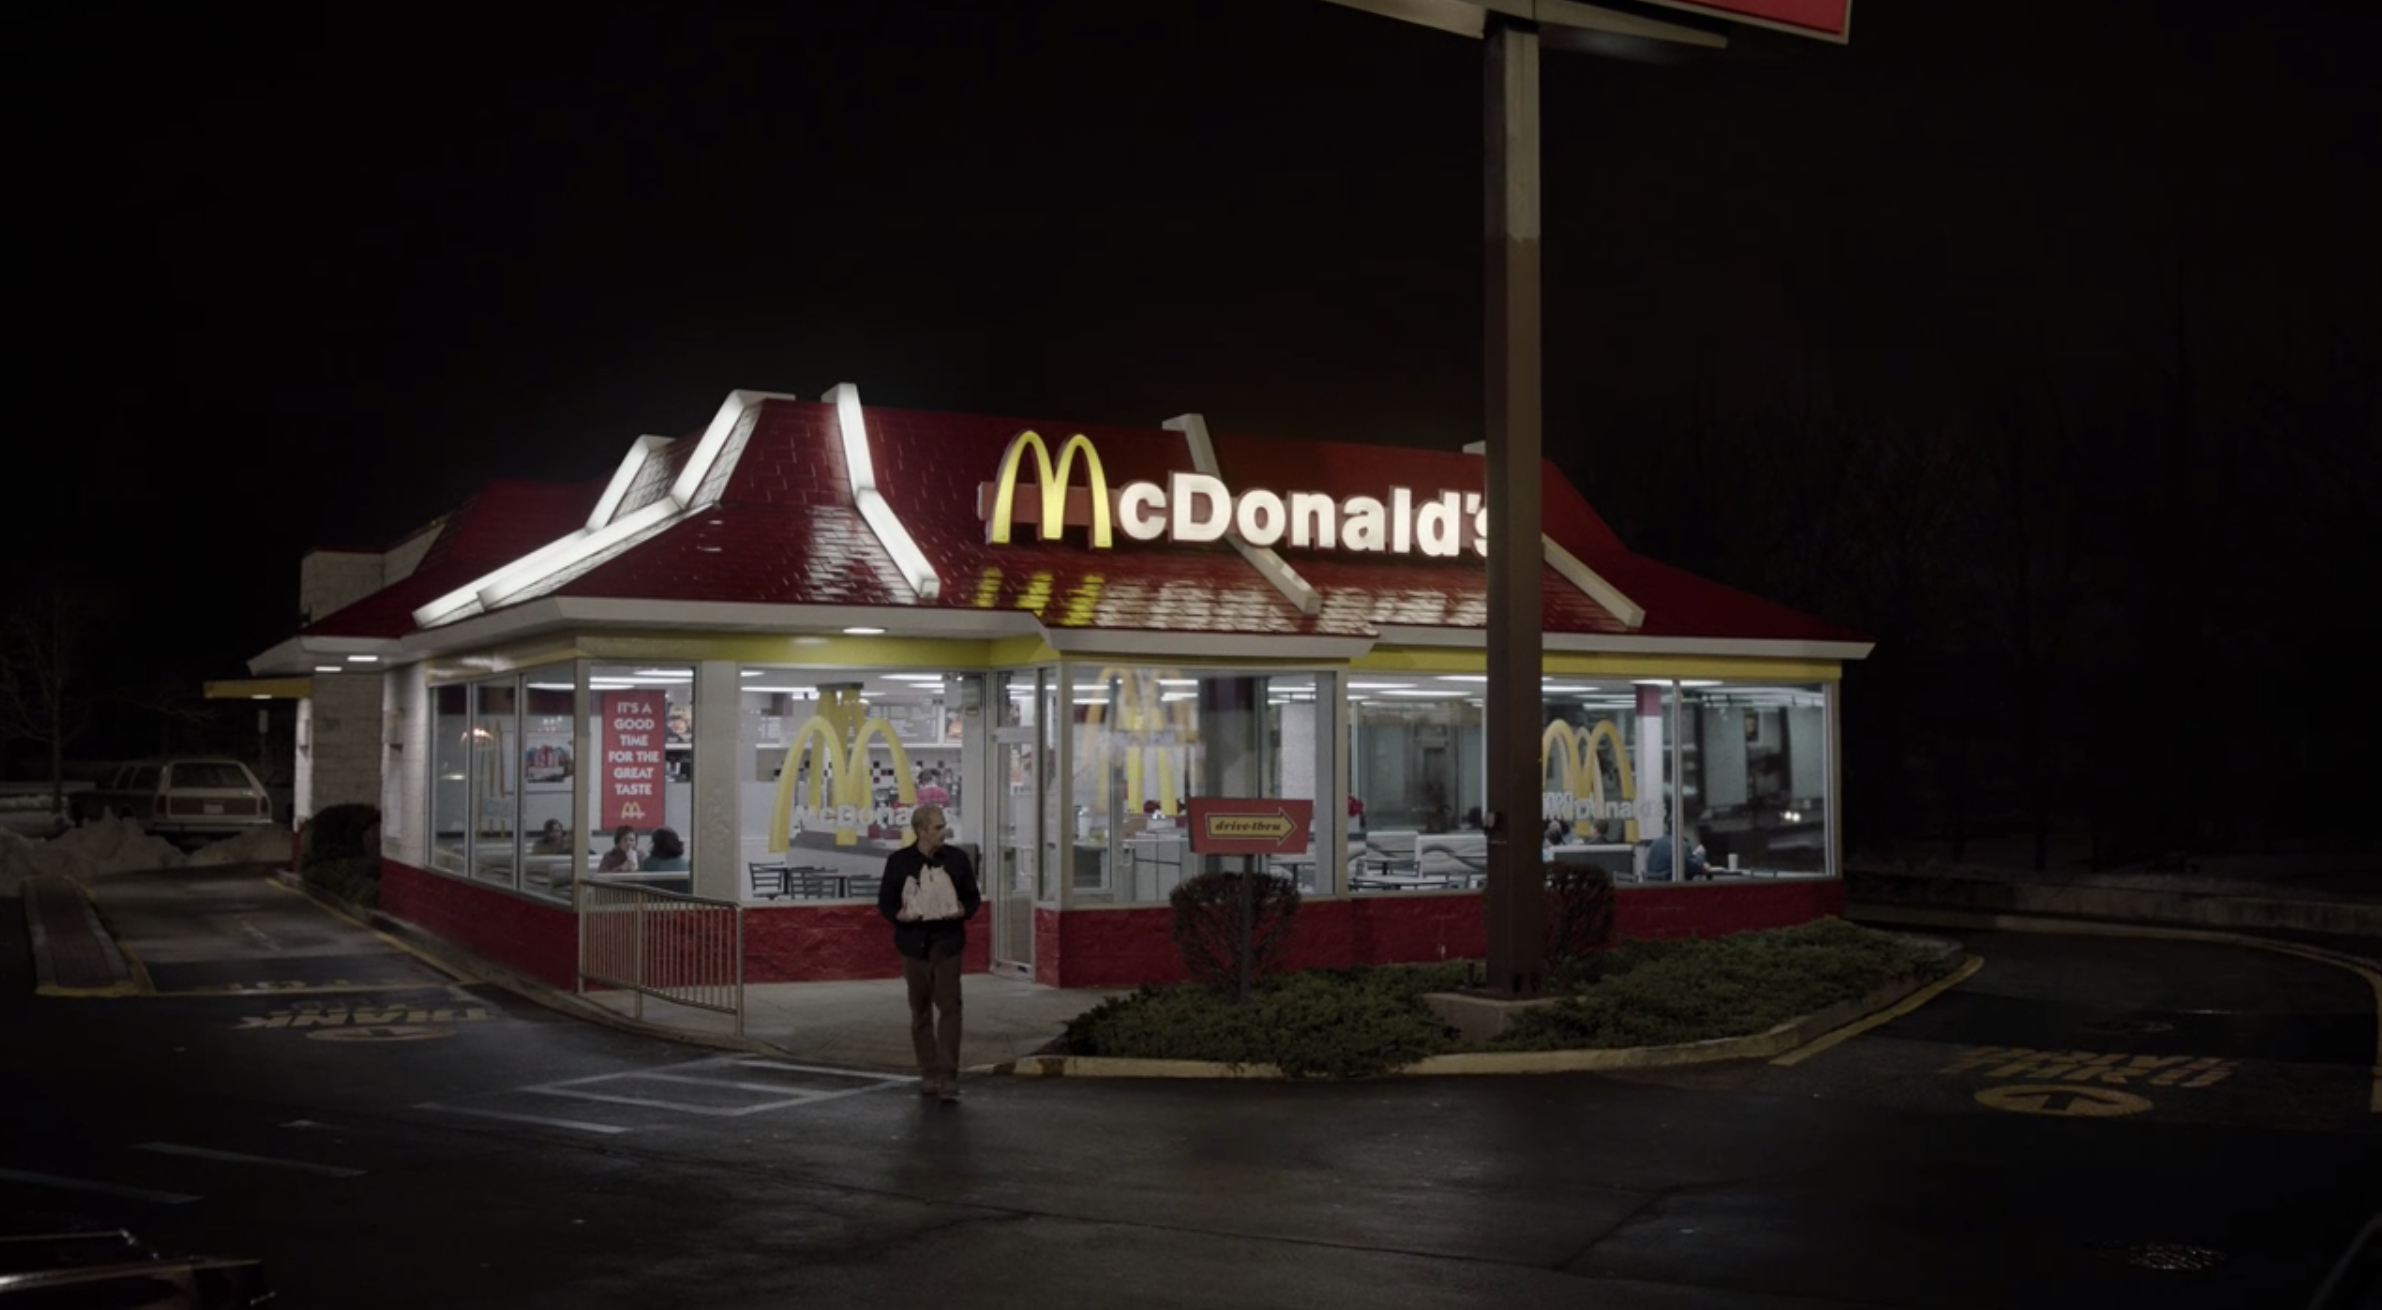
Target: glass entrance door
{"x":1017,"y":867}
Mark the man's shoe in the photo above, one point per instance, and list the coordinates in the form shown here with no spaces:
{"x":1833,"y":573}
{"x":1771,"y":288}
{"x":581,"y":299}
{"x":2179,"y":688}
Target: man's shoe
{"x":930,"y":1087}
{"x":951,"y":1092}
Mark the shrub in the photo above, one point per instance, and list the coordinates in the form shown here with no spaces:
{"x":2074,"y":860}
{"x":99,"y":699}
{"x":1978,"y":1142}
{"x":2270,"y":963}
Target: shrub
{"x":1579,"y":922}
{"x":1657,"y":993}
{"x":352,"y":878}
{"x":1207,"y":925}
{"x":1321,"y":1023}
{"x":341,"y":832}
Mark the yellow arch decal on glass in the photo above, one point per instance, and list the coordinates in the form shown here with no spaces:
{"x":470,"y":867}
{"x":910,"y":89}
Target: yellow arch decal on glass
{"x":1575,"y":750}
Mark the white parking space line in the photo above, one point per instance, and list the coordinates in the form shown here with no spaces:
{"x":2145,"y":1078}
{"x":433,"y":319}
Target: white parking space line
{"x":205,"y":1153}
{"x":579,"y":1125}
{"x":86,"y":1185}
{"x":656,"y":1103}
{"x":706,"y":1082}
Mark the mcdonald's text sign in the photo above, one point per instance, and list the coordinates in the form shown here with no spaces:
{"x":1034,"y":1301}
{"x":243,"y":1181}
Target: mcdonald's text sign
{"x":1195,"y":508}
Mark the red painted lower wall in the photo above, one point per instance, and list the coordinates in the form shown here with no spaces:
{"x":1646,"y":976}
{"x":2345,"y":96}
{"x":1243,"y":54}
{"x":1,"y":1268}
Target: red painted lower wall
{"x":1121,"y":948}
{"x":1083,"y":948}
{"x":784,"y":943}
{"x":529,"y":937}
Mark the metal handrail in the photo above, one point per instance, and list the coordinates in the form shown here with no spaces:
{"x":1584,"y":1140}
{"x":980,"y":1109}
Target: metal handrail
{"x":676,"y":947}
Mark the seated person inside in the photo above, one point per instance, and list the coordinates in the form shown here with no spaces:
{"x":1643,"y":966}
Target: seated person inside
{"x":669,"y":853}
{"x":622,"y":858}
{"x":1658,"y":859}
{"x":552,"y":840}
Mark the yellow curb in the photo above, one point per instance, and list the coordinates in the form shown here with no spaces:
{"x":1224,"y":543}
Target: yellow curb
{"x":1776,"y":1040}
{"x":1909,"y":1003}
{"x":2363,"y":968}
{"x":341,"y":912}
{"x":138,"y":984}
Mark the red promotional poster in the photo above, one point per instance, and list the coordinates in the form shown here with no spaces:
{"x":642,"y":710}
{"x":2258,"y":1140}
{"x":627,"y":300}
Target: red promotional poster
{"x":633,"y":723}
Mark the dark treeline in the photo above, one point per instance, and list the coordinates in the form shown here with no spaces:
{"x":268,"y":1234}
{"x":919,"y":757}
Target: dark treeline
{"x":2137,"y":607}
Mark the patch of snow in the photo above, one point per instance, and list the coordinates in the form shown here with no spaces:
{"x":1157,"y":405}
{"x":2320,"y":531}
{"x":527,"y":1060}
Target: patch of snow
{"x":108,"y":845}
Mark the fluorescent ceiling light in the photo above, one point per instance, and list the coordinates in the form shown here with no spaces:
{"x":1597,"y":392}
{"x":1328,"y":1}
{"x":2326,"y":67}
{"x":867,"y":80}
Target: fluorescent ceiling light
{"x":1096,"y":700}
{"x":550,"y":686}
{"x":680,"y":675}
{"x":1650,"y":682}
{"x":1699,"y":682}
{"x":1377,"y":686}
{"x":752,"y":673}
{"x":864,"y":632}
{"x":1437,"y":693}
{"x":1178,"y":695}
{"x":258,"y":695}
{"x":913,"y":677}
{"x":363,"y":659}
{"x":328,"y":668}
{"x":1178,"y":682}
{"x":1563,"y":687}
{"x":1463,"y":677}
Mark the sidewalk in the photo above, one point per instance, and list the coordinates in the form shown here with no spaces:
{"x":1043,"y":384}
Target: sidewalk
{"x":866,"y":1024}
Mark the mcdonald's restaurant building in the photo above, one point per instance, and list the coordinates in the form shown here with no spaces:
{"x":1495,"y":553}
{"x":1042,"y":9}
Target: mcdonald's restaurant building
{"x":776,"y":635}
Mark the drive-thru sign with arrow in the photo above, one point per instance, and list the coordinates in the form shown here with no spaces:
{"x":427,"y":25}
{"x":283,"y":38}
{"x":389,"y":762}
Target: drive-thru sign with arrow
{"x":1256,"y":825}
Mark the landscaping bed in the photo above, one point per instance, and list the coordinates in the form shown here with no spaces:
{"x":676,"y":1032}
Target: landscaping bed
{"x":1372,"y":1019}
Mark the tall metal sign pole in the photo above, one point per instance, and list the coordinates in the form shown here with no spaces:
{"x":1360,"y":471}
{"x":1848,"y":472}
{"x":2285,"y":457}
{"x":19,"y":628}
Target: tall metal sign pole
{"x":1515,"y":902}
{"x":1515,"y":899}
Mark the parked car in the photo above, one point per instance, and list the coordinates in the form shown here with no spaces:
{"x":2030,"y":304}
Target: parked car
{"x":192,"y":798}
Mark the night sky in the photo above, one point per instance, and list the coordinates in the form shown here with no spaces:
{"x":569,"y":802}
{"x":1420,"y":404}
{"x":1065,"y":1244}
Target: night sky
{"x":286,"y":277}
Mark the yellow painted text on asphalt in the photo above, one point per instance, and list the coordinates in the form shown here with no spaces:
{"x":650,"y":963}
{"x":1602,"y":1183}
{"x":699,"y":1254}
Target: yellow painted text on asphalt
{"x":2115,"y":1069}
{"x":363,"y":1016}
{"x":2053,"y":1099}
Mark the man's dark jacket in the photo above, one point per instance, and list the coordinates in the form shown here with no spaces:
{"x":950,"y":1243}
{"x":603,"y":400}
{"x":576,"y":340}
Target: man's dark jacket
{"x":920,"y":940}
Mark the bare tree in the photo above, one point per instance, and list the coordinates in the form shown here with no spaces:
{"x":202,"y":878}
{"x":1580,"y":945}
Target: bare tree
{"x":41,"y":698}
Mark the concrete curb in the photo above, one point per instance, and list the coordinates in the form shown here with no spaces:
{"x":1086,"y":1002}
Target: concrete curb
{"x":1773,"y":1041}
{"x":465,"y":967}
{"x":1871,"y":889}
{"x":126,"y":978}
{"x":1921,"y":916}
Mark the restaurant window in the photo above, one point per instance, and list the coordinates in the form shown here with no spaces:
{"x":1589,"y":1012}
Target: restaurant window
{"x":1755,"y":764}
{"x":1148,"y":738}
{"x":831,"y":763}
{"x":495,"y":807}
{"x":551,"y":854}
{"x":640,"y":787}
{"x":1605,"y":759}
{"x":450,"y":778}
{"x":1416,"y":761}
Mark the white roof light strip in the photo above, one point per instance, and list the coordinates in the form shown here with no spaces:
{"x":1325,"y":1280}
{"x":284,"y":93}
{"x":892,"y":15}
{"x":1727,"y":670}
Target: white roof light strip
{"x":1271,"y":566}
{"x":605,"y":528}
{"x":1593,"y":585}
{"x":872,"y":505}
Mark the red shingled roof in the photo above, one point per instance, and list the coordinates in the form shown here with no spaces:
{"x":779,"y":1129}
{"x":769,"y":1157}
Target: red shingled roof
{"x":785,"y":531}
{"x":505,"y":521}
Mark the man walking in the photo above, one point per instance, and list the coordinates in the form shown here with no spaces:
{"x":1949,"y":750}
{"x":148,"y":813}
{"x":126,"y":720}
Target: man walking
{"x":929,"y":893}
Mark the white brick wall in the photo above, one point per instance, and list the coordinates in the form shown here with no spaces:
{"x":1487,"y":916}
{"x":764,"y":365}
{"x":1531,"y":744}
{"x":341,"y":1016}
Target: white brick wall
{"x":341,"y":760}
{"x":404,"y":743}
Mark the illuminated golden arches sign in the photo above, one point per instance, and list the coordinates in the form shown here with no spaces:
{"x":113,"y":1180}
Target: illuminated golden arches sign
{"x":821,"y":745}
{"x":1195,"y":508}
{"x":1053,"y":481}
{"x":1573,"y":749}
